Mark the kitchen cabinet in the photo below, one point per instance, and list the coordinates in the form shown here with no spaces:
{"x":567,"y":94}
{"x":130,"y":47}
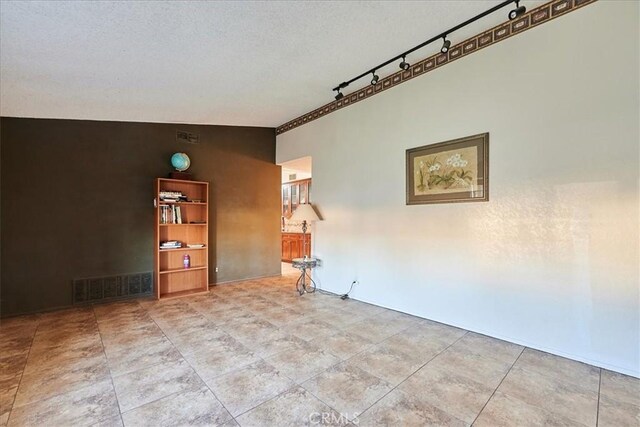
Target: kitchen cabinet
{"x":292,"y":246}
{"x":295,"y":193}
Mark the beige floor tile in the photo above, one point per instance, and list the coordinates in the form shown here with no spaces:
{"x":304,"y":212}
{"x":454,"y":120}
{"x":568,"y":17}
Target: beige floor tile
{"x":613,"y":413}
{"x":27,"y":323}
{"x":125,"y":322}
{"x":505,"y":411}
{"x":375,"y":330}
{"x":146,"y":385}
{"x":129,"y":339}
{"x":115,"y":421}
{"x":343,"y":344}
{"x":400,"y":409}
{"x":132,"y":359}
{"x":110,"y":310}
{"x":341,"y":318}
{"x":199,"y":340}
{"x":197,"y":407}
{"x":554,"y":394}
{"x":68,"y":338}
{"x":620,"y":387}
{"x":303,"y":361}
{"x":64,"y":358}
{"x":275,"y":343}
{"x":347,"y":389}
{"x":8,"y":390}
{"x":312,"y":329}
{"x":70,"y":344}
{"x":11,"y":366}
{"x":485,"y":346}
{"x":185,"y":325}
{"x":428,"y":329}
{"x":83,"y":407}
{"x":294,"y":408}
{"x":231,"y":355}
{"x":456,"y":395}
{"x":483,"y":369}
{"x":15,"y":343}
{"x":251,"y":331}
{"x":577,"y":373}
{"x":44,"y":384}
{"x":248,"y":387}
{"x":386,"y":363}
{"x":416,"y":346}
{"x":280,"y":316}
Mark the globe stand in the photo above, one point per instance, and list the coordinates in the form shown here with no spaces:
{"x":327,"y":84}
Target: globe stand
{"x":181,"y":175}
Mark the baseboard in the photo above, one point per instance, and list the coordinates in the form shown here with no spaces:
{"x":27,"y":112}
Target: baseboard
{"x":231,"y":282}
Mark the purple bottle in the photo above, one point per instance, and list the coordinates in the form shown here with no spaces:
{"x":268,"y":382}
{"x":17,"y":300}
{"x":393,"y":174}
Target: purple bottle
{"x":186,"y":261}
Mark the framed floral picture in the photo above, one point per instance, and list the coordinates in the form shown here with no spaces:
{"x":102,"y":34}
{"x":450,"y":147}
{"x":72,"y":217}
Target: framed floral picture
{"x":451,"y":171}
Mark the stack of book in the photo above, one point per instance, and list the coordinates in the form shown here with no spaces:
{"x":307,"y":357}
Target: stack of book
{"x":172,"y":196}
{"x":170,"y":214}
{"x":170,"y":244}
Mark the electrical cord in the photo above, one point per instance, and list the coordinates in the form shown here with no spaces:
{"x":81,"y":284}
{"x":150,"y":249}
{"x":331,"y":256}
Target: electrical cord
{"x":345,"y":296}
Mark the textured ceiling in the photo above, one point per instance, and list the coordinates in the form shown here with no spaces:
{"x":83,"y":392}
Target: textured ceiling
{"x":232,"y":63}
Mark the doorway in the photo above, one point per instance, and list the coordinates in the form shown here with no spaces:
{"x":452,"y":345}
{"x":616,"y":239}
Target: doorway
{"x":296,"y":190}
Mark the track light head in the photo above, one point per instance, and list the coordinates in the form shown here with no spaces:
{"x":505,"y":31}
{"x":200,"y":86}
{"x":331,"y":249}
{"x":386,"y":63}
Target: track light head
{"x":404,"y":65}
{"x":446,"y":44}
{"x":374,"y":78}
{"x":339,"y":95}
{"x":518,"y":11}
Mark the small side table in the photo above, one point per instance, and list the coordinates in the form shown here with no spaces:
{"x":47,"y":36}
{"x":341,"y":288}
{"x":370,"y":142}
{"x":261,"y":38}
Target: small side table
{"x":305,"y":265}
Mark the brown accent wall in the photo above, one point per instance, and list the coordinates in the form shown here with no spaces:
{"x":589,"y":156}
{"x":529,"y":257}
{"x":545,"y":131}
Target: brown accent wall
{"x":77,"y":201}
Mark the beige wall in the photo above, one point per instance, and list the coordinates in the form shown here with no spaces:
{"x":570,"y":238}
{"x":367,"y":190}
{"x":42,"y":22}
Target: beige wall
{"x":552,"y":260}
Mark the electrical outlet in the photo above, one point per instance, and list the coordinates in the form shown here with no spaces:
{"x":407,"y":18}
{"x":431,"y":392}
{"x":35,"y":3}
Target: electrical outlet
{"x":217,"y":269}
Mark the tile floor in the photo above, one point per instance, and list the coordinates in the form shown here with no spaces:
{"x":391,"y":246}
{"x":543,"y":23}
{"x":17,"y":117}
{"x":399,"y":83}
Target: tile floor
{"x":257,"y":354}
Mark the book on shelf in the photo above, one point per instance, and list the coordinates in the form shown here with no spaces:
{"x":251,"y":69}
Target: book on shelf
{"x":170,"y":214}
{"x":170,"y":244}
{"x":172,"y":196}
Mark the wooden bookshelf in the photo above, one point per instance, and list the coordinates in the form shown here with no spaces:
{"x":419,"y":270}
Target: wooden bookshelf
{"x":171,"y":279}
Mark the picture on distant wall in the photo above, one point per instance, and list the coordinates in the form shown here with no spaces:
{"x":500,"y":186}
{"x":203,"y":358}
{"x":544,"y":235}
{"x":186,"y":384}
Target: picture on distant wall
{"x":451,"y":171}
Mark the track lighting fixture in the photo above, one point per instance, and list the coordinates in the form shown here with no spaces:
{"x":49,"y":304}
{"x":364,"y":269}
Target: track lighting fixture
{"x":446,"y":44}
{"x":518,"y":11}
{"x":404,"y":65}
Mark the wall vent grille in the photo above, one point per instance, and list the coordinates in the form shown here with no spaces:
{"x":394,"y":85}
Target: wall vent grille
{"x":102,"y":289}
{"x":188,"y":137}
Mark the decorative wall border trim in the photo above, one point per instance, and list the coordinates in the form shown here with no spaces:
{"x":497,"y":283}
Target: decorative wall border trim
{"x":533,"y":18}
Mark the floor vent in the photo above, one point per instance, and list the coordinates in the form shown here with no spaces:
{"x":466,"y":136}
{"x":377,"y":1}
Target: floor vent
{"x":102,"y":289}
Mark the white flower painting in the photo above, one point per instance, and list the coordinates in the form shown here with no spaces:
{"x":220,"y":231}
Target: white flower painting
{"x":446,"y":172}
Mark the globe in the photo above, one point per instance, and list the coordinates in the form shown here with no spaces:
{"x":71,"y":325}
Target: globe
{"x":180,"y":161}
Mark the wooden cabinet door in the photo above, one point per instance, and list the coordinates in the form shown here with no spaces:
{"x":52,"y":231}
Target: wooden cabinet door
{"x":286,"y":200}
{"x":295,"y":248}
{"x":295,"y":196}
{"x":286,"y":249}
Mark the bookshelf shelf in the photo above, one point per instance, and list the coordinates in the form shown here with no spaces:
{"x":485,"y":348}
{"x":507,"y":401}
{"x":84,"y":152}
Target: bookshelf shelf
{"x":172,"y":223}
{"x":166,"y":202}
{"x":182,"y":270}
{"x":182,"y":249}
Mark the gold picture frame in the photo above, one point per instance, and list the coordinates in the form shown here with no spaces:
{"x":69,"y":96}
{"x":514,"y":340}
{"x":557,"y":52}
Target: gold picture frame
{"x":449,"y":172}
